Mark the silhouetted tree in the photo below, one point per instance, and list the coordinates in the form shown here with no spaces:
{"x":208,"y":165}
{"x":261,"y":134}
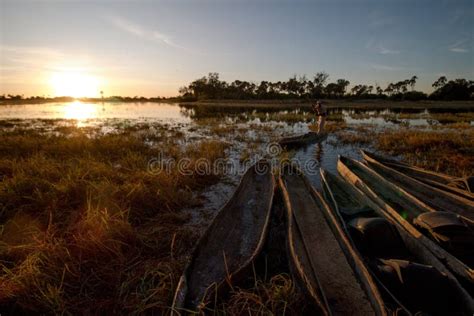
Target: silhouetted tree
{"x":292,"y":86}
{"x":342,"y":85}
{"x":378,"y":90}
{"x":319,"y":81}
{"x":458,"y":89}
{"x":390,"y":89}
{"x":412,"y":82}
{"x":262,"y":89}
{"x":440,"y":82}
{"x":211,"y":87}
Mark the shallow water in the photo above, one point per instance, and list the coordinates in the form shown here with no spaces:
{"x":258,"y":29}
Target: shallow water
{"x":92,"y":112}
{"x":89,"y":114}
{"x":257,"y":131}
{"x":325,"y":155}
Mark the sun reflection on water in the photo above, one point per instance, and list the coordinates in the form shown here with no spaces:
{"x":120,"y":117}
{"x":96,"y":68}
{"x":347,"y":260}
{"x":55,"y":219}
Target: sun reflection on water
{"x":80,"y":111}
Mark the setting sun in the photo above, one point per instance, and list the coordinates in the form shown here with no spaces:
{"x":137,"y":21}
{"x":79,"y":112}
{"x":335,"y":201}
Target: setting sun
{"x":74,"y":84}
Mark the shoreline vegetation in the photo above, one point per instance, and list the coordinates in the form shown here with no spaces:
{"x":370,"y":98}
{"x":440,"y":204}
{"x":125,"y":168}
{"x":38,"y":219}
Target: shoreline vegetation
{"x":300,"y":90}
{"x":291,"y":104}
{"x":368,"y":104}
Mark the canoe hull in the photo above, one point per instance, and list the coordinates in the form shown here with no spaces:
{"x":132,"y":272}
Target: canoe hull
{"x":302,"y":140}
{"x":231,"y":243}
{"x":321,"y":256}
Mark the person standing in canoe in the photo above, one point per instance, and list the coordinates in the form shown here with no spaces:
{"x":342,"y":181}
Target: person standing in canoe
{"x":321,"y":112}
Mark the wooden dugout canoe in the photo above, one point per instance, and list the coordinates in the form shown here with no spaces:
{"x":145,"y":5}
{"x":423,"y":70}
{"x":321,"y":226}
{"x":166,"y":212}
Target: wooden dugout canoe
{"x":421,"y":186}
{"x":332,"y":274}
{"x":301,"y":140}
{"x":452,"y":185}
{"x":402,"y":207}
{"x":232,"y":241}
{"x":433,"y":198}
{"x":347,"y":202}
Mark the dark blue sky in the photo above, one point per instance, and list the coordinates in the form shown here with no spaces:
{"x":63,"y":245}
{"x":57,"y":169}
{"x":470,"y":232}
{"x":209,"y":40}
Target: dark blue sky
{"x":154,"y":47}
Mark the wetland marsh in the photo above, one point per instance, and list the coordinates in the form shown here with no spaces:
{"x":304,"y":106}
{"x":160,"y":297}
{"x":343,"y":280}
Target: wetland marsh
{"x":85,"y":212}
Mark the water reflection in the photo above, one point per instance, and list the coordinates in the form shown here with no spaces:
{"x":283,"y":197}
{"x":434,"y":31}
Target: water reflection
{"x":79,"y":111}
{"x":86,"y":113}
{"x":82,"y":111}
{"x":319,"y":152}
{"x":327,"y":155}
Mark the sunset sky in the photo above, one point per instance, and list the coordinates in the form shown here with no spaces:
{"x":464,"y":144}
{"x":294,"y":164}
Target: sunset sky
{"x":152,"y":48}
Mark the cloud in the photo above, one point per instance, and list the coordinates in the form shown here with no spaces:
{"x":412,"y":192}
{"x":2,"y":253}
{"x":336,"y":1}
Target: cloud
{"x":459,"y":46}
{"x":385,"y":67}
{"x":386,"y":51}
{"x":458,"y":50}
{"x":127,"y":26}
{"x":139,"y":31}
{"x":379,"y":48}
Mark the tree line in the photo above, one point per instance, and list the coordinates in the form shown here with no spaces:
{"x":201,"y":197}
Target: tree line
{"x":211,"y":87}
{"x":302,"y":87}
{"x":20,"y":98}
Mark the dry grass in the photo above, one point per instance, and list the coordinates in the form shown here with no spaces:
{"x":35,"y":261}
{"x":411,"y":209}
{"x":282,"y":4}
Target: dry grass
{"x":446,"y":118}
{"x":449,"y":152}
{"x":277,"y":296}
{"x":86,"y":228}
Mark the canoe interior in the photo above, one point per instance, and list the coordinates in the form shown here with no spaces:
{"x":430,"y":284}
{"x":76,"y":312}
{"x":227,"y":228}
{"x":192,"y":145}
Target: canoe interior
{"x":231,"y":242}
{"x":440,"y":181}
{"x":459,"y":186}
{"x":347,"y":202}
{"x":437,"y":199}
{"x":412,"y":170}
{"x":453,"y":187}
{"x":407,"y":207}
{"x":401,"y":207}
{"x":316,"y":253}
